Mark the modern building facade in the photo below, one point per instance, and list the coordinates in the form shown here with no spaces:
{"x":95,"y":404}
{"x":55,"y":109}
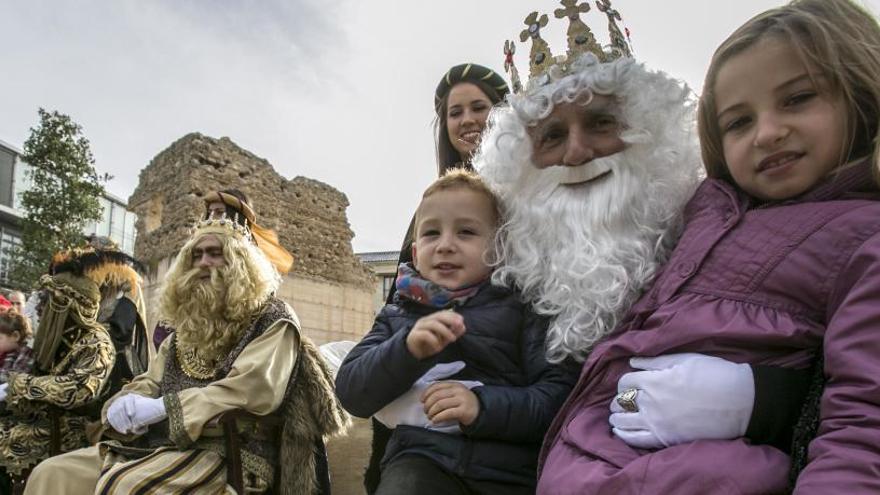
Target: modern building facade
{"x":384,"y":266}
{"x":116,"y":222}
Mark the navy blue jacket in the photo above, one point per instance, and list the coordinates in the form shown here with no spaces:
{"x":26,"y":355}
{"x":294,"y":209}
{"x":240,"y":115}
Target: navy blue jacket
{"x":503,"y":347}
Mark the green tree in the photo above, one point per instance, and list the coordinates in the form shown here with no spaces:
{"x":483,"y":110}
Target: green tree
{"x":64,"y":195}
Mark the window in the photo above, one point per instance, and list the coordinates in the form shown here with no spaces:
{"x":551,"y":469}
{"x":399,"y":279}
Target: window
{"x":7,"y":166}
{"x":8,"y":241}
{"x":103,"y":226}
{"x":128,"y":241}
{"x":23,"y":182}
{"x":387,"y":284}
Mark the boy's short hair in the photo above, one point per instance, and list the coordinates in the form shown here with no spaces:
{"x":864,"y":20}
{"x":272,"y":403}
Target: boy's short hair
{"x":13,"y":321}
{"x":461,"y":178}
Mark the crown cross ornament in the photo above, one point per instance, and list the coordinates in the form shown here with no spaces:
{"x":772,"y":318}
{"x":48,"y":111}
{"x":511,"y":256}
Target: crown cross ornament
{"x":543,"y":67}
{"x":510,"y":67}
{"x":580,"y":38}
{"x":619,"y":45}
{"x":540,"y":56}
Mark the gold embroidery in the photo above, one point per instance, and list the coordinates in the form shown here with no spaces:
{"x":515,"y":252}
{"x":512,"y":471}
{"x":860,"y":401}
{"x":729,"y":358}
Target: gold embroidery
{"x":193,"y":365}
{"x":176,"y":428}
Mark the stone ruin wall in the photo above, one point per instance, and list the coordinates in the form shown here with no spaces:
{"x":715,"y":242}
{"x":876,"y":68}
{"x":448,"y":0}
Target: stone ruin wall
{"x":328,"y":286}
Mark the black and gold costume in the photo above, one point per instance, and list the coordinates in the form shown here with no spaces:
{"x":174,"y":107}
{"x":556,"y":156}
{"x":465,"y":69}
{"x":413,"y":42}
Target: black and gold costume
{"x":74,"y":357}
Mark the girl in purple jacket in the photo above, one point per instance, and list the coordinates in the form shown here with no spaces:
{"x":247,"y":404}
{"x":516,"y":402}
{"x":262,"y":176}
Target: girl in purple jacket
{"x":778,"y":264}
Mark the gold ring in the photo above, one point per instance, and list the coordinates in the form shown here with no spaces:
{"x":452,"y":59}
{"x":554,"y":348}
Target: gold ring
{"x":627,"y":400}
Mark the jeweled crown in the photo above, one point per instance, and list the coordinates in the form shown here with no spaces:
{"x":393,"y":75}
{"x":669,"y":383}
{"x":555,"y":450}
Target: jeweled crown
{"x":580,"y":41}
{"x":223,"y":225}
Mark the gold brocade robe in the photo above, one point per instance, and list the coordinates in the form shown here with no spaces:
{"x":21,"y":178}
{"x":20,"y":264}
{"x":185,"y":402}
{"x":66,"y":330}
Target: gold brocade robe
{"x":84,"y":361}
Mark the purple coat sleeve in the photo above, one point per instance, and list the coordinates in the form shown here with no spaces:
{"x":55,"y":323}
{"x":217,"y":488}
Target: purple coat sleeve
{"x":845,"y":455}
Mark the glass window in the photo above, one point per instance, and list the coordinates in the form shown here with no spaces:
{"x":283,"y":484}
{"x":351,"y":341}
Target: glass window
{"x":128,"y":240}
{"x":23,"y":182}
{"x":387,"y":284}
{"x":117,"y":223}
{"x":103,"y":226}
{"x":7,"y":165}
{"x":8,"y":241}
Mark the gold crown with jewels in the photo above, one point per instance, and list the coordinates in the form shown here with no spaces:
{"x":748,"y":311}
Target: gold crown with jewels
{"x":580,"y":41}
{"x":222,"y":225}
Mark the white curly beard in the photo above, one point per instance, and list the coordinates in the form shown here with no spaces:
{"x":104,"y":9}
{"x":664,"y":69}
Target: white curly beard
{"x":583,"y":253}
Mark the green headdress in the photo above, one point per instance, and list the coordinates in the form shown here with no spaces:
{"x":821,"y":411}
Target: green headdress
{"x":470,"y":73}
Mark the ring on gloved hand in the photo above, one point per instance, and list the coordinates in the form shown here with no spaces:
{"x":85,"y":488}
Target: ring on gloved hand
{"x":627,"y":400}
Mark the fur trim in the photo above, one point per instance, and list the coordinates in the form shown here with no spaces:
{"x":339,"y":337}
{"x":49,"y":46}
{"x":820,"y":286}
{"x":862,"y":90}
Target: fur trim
{"x":311,"y":412}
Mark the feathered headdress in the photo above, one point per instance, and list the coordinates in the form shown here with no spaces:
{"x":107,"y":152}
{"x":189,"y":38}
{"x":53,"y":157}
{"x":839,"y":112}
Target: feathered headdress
{"x":104,"y":267}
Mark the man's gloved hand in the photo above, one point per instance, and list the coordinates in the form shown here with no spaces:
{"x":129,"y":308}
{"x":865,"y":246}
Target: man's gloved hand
{"x":682,"y":398}
{"x":118,"y":413}
{"x":132,"y":413}
{"x":3,"y":387}
{"x":147,"y":411}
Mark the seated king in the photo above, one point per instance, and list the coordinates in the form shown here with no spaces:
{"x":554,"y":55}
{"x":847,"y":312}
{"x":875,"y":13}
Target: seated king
{"x":235,"y":347}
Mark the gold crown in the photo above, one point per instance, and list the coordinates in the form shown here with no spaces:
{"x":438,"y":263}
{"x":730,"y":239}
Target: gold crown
{"x":222,"y":225}
{"x":580,"y":41}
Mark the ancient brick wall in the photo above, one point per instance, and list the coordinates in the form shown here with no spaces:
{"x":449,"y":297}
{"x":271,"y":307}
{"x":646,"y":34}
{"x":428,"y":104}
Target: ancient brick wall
{"x":309,"y":216}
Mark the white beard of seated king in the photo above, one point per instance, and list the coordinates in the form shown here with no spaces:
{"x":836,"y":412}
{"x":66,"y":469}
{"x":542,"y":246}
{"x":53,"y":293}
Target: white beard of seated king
{"x":581,"y":242}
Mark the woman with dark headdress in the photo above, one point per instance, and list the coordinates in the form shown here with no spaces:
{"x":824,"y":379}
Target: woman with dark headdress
{"x":462,"y":101}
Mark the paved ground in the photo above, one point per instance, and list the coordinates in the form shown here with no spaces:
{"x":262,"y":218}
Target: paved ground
{"x":348,"y":457}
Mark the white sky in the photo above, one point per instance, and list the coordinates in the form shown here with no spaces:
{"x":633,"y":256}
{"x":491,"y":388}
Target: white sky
{"x":339,"y":91}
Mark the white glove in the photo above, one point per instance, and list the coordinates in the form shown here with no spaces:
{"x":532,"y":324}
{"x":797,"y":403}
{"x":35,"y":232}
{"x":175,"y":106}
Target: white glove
{"x":132,"y":413}
{"x":147,"y":411}
{"x":409,"y":410}
{"x":118,"y":413}
{"x":682,"y":398}
{"x":3,"y":387}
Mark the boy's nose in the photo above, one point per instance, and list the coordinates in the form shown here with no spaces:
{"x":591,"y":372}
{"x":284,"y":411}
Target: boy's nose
{"x":446,"y":243}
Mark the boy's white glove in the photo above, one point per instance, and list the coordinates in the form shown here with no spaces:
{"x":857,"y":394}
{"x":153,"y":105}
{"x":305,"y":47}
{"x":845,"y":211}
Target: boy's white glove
{"x":3,"y":387}
{"x":132,"y":413}
{"x":682,"y":398}
{"x":409,"y":410}
{"x":334,"y":354}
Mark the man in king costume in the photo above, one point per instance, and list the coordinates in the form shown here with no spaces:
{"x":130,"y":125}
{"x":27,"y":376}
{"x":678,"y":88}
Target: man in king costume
{"x":234,"y":347}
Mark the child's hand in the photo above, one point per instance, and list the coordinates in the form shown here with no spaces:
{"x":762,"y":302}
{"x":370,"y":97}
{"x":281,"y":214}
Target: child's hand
{"x":450,"y":401}
{"x":433,"y":333}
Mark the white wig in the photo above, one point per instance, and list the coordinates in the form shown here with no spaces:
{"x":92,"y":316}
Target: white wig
{"x":582,"y":254}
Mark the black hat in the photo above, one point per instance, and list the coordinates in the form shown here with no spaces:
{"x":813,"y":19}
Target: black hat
{"x":470,"y":73}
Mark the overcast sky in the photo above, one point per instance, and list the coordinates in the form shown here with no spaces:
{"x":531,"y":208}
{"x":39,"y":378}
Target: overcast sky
{"x":339,"y":91}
